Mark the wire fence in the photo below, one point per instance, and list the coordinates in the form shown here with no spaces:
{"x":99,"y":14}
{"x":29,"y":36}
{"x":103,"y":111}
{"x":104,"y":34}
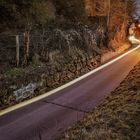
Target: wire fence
{"x":12,"y":47}
{"x":52,"y":45}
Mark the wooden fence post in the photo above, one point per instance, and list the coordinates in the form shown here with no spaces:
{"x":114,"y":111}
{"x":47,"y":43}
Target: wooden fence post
{"x":28,"y":44}
{"x":17,"y":50}
{"x":108,"y":12}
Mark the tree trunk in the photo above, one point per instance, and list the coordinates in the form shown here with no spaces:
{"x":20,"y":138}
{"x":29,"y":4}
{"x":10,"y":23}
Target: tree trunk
{"x":90,"y":6}
{"x":94,"y":8}
{"x":17,"y":50}
{"x":108,"y":12}
{"x":27,"y":45}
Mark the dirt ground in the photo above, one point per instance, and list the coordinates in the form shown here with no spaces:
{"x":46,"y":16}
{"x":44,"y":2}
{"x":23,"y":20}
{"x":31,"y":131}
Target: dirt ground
{"x":117,"y":118}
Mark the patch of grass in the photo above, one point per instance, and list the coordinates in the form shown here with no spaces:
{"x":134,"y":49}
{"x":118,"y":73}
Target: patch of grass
{"x":15,"y":72}
{"x":36,"y":60}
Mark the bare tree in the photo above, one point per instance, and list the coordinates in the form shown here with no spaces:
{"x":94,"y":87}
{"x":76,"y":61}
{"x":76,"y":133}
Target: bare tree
{"x":97,"y":8}
{"x":90,"y":7}
{"x":108,"y":11}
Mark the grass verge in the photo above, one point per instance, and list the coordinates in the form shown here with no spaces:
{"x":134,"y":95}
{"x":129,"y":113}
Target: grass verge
{"x":117,"y":118}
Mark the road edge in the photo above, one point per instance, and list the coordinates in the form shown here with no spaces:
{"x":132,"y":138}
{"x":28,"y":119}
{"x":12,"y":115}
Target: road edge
{"x":35,"y":99}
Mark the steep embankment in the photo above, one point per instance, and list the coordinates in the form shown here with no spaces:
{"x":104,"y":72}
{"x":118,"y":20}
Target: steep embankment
{"x":56,"y":57}
{"x":118,"y":117}
{"x":60,"y":42}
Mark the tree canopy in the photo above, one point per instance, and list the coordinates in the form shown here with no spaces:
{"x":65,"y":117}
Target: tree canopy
{"x":26,"y":12}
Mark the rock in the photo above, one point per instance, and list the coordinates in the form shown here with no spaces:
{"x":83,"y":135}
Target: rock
{"x":25,"y":91}
{"x":72,"y":68}
{"x":13,"y":87}
{"x":56,"y":77}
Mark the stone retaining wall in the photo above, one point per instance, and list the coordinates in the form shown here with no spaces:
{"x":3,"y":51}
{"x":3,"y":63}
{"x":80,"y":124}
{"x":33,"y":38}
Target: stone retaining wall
{"x":48,"y":78}
{"x":111,"y":54}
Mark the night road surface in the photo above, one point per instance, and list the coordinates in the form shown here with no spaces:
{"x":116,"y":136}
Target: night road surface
{"x":47,"y":118}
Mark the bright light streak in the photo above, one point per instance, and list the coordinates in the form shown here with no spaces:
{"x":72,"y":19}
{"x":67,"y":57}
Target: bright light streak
{"x":134,"y":40}
{"x":131,"y":38}
{"x":28,"y":102}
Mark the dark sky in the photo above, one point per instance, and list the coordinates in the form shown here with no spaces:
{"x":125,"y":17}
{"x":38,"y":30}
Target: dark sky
{"x":137,"y":10}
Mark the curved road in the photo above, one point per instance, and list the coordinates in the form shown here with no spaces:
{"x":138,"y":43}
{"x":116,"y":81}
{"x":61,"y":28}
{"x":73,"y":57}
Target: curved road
{"x":47,"y":118}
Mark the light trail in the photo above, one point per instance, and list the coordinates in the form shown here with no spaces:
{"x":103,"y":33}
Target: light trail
{"x":134,"y":40}
{"x":25,"y":103}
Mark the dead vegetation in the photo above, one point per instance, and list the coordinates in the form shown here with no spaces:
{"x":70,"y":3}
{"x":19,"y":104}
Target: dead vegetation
{"x":60,"y":39}
{"x":117,"y":118}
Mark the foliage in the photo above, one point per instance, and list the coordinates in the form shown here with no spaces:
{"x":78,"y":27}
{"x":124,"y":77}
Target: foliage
{"x":43,"y":11}
{"x":70,"y":9}
{"x":16,"y":72}
{"x":27,"y":13}
{"x":31,"y":12}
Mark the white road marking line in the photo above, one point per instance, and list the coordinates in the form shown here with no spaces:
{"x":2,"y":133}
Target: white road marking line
{"x":35,"y":99}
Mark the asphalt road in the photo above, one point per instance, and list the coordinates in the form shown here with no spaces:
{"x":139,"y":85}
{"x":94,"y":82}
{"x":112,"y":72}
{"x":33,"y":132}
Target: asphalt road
{"x":47,"y":118}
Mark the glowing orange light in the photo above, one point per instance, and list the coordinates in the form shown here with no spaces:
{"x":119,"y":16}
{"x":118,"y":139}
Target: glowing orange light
{"x":134,"y":40}
{"x":139,"y":25}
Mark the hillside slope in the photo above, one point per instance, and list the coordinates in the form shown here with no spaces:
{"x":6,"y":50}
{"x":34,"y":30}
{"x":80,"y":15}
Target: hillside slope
{"x":117,"y":118}
{"x":57,"y":42}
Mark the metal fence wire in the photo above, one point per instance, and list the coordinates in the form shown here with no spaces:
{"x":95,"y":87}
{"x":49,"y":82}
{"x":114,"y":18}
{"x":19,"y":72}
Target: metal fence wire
{"x":52,"y":44}
{"x":12,"y":48}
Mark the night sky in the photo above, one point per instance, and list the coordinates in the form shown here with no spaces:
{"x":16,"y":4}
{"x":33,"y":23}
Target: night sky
{"x":137,"y":10}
